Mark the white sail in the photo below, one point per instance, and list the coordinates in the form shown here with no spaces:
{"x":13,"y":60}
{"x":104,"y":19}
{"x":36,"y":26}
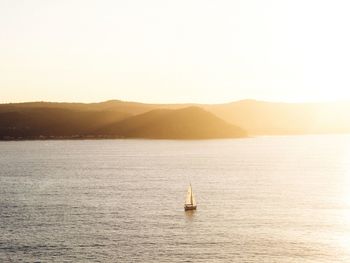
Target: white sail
{"x":193,"y":200}
{"x":190,"y":197}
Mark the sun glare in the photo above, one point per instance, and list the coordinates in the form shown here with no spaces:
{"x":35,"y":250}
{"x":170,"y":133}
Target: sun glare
{"x":166,"y":51}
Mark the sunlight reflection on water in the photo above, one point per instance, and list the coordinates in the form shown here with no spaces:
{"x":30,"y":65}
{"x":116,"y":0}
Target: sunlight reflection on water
{"x":270,"y":199}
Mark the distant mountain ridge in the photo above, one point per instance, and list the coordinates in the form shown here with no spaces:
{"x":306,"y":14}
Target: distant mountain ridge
{"x":276,"y":118}
{"x":33,"y":121}
{"x":51,"y":119}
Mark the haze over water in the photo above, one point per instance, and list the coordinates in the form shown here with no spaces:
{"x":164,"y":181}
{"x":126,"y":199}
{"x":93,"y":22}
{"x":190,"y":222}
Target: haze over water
{"x":265,"y":199}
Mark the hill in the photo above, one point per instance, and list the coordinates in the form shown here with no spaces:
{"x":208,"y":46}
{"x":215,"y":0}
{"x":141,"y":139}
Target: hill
{"x":272,"y":118}
{"x":186,"y":123}
{"x":33,"y":123}
{"x":35,"y":119}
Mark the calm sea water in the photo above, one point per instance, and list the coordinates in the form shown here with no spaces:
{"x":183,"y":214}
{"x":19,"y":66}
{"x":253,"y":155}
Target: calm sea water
{"x":266,"y":199}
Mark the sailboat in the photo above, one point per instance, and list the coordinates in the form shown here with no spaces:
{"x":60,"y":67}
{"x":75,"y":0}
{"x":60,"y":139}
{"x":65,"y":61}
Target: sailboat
{"x":190,"y":203}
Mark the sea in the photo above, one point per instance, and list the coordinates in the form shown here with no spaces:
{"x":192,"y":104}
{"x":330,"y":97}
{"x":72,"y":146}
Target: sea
{"x":263,"y":199}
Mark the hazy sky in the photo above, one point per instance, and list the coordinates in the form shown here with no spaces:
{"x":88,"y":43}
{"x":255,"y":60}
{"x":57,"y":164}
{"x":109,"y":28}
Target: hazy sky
{"x":174,"y":51}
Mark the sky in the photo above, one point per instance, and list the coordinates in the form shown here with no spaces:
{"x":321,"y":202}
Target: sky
{"x":174,"y":51}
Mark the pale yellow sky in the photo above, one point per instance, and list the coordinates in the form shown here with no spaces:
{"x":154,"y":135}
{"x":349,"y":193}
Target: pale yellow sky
{"x":174,"y":51}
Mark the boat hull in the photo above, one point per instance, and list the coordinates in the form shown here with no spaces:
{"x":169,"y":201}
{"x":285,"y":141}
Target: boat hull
{"x":190,"y":207}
